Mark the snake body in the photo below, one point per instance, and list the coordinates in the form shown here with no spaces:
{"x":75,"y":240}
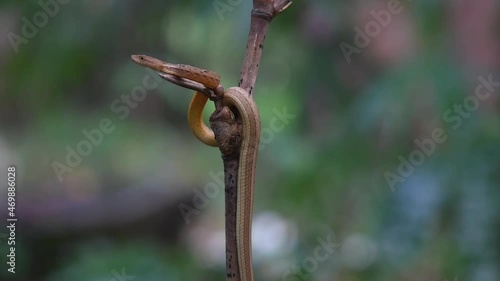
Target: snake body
{"x":247,"y":110}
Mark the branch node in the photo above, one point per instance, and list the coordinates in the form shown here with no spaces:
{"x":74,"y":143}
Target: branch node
{"x":262,"y":14}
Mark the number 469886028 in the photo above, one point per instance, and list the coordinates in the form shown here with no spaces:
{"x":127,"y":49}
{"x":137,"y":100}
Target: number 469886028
{"x":11,"y":181}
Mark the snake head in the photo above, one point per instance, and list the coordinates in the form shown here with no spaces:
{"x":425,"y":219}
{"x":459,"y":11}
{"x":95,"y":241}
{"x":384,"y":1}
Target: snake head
{"x":149,"y":62}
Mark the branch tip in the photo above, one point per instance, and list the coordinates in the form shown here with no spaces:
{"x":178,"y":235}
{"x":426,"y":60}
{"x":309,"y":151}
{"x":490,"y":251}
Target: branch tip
{"x":282,"y":5}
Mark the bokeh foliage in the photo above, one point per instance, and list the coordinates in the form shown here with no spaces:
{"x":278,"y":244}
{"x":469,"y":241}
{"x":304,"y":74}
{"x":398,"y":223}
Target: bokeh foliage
{"x":323,"y":172}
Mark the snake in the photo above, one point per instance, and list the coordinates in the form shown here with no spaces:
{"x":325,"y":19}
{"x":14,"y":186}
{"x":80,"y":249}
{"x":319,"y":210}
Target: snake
{"x":239,"y":99}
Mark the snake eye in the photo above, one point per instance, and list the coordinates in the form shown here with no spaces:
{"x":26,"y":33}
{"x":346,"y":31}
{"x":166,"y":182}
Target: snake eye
{"x":142,"y":58}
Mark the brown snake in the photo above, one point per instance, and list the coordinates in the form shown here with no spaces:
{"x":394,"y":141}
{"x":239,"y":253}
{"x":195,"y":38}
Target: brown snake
{"x":249,"y":114}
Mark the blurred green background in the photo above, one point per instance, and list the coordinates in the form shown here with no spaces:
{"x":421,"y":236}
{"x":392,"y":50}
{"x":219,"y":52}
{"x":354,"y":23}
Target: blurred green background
{"x":380,"y":149}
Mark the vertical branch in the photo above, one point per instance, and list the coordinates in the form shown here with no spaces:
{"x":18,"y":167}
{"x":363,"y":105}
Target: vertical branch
{"x":230,"y":180}
{"x":262,"y":14}
{"x":228,"y":133}
{"x":255,"y":45}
